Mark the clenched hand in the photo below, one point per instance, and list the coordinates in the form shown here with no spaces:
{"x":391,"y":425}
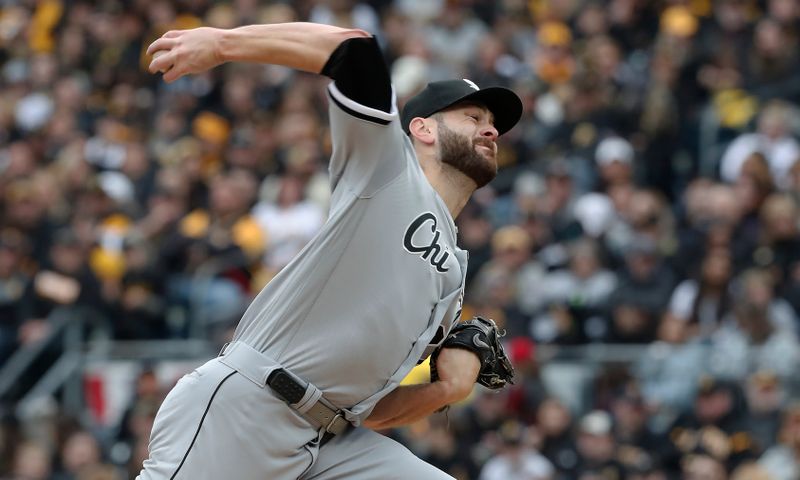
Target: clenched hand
{"x":185,"y":52}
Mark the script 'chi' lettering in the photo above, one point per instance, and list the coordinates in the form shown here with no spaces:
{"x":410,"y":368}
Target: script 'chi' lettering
{"x":433,"y":251}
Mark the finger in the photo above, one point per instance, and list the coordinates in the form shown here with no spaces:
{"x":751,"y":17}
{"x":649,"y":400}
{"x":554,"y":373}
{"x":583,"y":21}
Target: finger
{"x":162,"y":62}
{"x":173,"y":34}
{"x":162,"y":43}
{"x":172,"y":74}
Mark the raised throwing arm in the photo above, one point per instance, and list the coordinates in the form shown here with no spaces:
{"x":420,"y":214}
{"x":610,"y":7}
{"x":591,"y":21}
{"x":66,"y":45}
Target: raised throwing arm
{"x":303,"y":46}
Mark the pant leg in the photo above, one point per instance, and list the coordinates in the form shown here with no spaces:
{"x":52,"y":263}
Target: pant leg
{"x":362,"y":454}
{"x":216,"y":424}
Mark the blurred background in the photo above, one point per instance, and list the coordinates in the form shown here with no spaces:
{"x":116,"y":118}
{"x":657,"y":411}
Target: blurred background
{"x":640,"y":244}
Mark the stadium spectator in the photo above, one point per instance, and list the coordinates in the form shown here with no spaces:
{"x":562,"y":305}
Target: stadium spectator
{"x":555,"y":424}
{"x":524,"y":398}
{"x":31,"y":461}
{"x":699,"y":304}
{"x":79,"y":453}
{"x":639,"y":448}
{"x":63,"y":281}
{"x":773,"y":138}
{"x":668,"y":370}
{"x":516,"y":458}
{"x":781,"y":461}
{"x":13,"y":283}
{"x":575,"y":298}
{"x":715,"y":428}
{"x":289,"y":221}
{"x":766,"y":397}
{"x":642,"y":292}
{"x":597,"y":447}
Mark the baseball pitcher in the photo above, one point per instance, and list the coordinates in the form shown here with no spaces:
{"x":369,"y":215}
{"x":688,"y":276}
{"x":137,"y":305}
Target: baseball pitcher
{"x":316,"y":361}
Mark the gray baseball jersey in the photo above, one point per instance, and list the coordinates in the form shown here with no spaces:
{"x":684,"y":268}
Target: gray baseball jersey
{"x":381,"y":283}
{"x":365,"y":300}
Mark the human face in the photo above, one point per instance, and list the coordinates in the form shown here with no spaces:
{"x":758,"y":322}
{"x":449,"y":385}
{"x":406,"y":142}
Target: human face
{"x":467,"y":141}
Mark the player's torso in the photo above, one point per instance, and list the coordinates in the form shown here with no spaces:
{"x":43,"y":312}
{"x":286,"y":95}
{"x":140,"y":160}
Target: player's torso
{"x":361,"y":302}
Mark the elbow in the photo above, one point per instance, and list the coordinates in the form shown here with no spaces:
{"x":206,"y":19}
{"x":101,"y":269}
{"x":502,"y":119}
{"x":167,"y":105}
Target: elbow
{"x":373,"y":424}
{"x":381,"y":423}
{"x":377,"y":420}
{"x":355,"y":33}
{"x":342,"y":35}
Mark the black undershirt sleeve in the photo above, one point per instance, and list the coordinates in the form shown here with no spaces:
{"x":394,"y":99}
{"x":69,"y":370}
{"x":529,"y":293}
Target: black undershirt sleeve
{"x":360,"y":73}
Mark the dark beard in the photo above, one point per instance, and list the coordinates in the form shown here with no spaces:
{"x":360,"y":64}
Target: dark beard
{"x":459,"y":152}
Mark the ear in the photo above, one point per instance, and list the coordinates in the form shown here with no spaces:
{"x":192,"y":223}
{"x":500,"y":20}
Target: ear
{"x":423,"y":129}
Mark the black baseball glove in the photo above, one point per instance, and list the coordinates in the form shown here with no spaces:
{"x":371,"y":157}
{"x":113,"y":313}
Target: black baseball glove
{"x":482,"y":337}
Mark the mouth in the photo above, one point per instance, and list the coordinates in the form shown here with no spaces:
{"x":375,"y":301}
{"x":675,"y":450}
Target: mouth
{"x":488,"y":148}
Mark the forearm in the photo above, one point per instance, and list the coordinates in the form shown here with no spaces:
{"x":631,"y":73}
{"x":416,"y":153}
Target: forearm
{"x":409,"y":403}
{"x":458,"y":368}
{"x":303,"y":46}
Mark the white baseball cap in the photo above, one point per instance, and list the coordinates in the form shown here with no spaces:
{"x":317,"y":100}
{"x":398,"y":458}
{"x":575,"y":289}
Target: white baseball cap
{"x":614,"y":149}
{"x":596,"y":422}
{"x":595,"y":213}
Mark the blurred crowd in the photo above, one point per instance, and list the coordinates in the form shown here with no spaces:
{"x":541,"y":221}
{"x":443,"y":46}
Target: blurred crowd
{"x":650,"y":196}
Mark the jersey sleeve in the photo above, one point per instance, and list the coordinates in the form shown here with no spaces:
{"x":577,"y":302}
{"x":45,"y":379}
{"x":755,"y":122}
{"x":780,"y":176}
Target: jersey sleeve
{"x":369,"y":147}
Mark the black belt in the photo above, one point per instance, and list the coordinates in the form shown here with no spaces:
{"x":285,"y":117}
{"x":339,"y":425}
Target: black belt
{"x":326,"y":437}
{"x":292,"y":390}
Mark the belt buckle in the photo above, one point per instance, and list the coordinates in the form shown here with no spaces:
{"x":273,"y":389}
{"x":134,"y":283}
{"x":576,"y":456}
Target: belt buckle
{"x":334,"y":427}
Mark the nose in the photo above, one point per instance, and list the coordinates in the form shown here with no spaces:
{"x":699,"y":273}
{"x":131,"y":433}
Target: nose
{"x":489,"y":132}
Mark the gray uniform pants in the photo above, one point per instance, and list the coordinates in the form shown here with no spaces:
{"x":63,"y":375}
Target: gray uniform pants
{"x":217,"y":423}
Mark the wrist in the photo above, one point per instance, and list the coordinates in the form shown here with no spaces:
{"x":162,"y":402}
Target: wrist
{"x":223,"y":45}
{"x":454,"y":390}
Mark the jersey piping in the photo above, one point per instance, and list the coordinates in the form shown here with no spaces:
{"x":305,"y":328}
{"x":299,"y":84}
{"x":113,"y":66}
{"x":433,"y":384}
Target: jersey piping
{"x":362,"y":111}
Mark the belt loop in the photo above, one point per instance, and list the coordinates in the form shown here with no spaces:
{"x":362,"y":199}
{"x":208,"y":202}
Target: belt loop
{"x":248,"y":361}
{"x":312,"y":396}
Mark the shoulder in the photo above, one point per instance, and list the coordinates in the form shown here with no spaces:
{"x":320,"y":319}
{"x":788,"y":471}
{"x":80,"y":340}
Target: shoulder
{"x":361,"y":83}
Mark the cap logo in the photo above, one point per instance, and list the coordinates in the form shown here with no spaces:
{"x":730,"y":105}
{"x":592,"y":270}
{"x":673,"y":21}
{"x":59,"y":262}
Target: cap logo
{"x":471,"y":84}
